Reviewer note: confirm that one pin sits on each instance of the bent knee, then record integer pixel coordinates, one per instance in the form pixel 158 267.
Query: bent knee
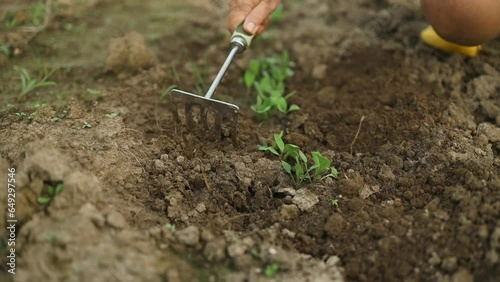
pixel 464 22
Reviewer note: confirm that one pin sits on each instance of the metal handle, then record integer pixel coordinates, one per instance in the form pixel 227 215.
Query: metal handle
pixel 240 41
pixel 241 38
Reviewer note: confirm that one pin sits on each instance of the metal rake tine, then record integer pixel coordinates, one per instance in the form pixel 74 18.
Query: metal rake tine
pixel 189 114
pixel 204 116
pixel 218 126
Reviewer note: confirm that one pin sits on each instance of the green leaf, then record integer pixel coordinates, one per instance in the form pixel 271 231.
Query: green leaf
pixel 249 79
pixel 43 200
pixel 287 167
pixel 278 138
pixel 303 157
pixel 299 172
pixel 166 93
pixel 293 108
pixel 271 270
pixel 51 191
pixel 254 66
pixel 282 105
pixel 59 188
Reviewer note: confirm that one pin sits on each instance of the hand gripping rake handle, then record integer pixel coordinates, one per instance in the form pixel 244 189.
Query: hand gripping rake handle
pixel 240 41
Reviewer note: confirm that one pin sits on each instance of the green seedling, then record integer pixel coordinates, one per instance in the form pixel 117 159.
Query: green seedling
pixel 5 48
pixel 86 125
pixel 200 84
pixel 10 106
pixel 29 84
pixel 271 270
pixel 335 203
pixel 267 77
pixel 24 115
pixel 51 193
pixel 170 227
pixel 255 253
pixel 111 115
pixel 297 164
pixel 94 92
pixel 37 14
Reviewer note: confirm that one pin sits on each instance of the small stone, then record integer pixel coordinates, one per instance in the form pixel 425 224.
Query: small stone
pixel 215 250
pixel 116 220
pixel 319 71
pixel 288 233
pixel 201 208
pixel 450 264
pixel 462 275
pixel 159 165
pixel 333 260
pixel 289 212
pixel 236 249
pixel 386 173
pixel 180 159
pixel 95 216
pixel 288 191
pixel 434 259
pixel 355 204
pixel 189 236
pixel 305 200
pixel 335 224
pixel 441 215
pixel 164 158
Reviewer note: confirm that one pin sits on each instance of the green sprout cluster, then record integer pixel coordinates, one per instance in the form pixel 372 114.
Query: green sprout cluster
pixel 267 76
pixel 296 163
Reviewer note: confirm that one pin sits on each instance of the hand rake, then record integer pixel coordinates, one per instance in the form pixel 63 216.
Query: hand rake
pixel 240 41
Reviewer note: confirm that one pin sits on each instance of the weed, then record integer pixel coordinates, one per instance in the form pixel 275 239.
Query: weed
pixel 51 193
pixel 296 163
pixel 94 92
pixel 271 270
pixel 86 125
pixel 5 48
pixel 170 227
pixel 335 202
pixel 28 84
pixel 267 77
pixel 24 115
pixel 200 84
pixel 10 106
pixel 255 253
pixel 111 115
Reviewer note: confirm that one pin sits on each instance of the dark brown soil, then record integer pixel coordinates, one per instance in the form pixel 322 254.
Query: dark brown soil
pixel 419 186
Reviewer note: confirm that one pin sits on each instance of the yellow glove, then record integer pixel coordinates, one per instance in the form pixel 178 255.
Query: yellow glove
pixel 430 37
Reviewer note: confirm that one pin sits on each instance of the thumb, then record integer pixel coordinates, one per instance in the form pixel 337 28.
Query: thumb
pixel 258 15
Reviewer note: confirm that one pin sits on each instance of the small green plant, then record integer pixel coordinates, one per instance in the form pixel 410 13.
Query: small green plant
pixel 170 227
pixel 24 115
pixel 271 270
pixel 86 125
pixel 335 202
pixel 10 106
pixel 29 84
pixel 255 253
pixel 111 115
pixel 200 84
pixel 5 48
pixel 296 163
pixel 95 92
pixel 51 193
pixel 267 76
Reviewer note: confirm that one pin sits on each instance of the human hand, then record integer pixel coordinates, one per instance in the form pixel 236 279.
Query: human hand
pixel 255 14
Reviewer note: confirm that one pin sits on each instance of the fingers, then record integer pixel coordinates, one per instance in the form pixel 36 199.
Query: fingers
pixel 238 11
pixel 263 26
pixel 258 18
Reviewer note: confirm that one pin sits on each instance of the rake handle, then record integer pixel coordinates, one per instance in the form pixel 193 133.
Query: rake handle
pixel 240 41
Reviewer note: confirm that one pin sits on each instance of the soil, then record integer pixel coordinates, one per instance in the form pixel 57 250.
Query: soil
pixel 414 134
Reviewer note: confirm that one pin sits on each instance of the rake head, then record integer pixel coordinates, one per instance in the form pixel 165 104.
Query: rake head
pixel 221 112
